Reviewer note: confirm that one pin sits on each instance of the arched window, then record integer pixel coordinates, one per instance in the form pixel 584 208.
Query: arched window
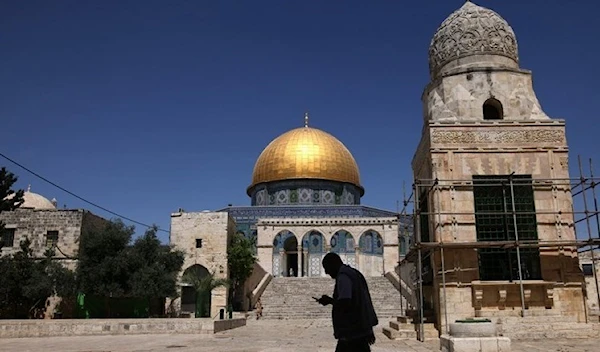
pixel 342 242
pixel 371 243
pixel 280 240
pixel 492 110
pixel 314 242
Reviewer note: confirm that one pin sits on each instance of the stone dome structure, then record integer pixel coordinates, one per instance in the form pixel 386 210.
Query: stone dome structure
pixel 35 201
pixel 306 153
pixel 470 31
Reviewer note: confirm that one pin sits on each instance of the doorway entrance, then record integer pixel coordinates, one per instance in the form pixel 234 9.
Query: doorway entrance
pixel 290 248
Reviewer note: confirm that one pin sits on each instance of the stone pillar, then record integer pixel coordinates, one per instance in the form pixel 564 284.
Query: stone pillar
pixel 282 264
pixel 305 260
pixel 299 264
pixel 357 257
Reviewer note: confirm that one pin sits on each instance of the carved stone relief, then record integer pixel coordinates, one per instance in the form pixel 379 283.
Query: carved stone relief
pixel 471 30
pixel 515 136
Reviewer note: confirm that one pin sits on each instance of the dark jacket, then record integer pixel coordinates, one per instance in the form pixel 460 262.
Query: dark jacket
pixel 359 320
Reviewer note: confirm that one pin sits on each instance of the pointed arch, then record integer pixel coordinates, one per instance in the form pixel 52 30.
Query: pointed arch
pixel 285 254
pixel 342 241
pixel 371 242
pixel 280 238
pixel 313 250
pixel 313 241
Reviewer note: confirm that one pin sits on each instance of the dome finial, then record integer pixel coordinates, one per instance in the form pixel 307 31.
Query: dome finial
pixel 306 119
pixel 29 187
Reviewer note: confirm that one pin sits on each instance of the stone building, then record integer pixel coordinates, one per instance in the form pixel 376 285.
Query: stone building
pixel 305 202
pixel 204 238
pixel 39 220
pixel 490 167
pixel 591 271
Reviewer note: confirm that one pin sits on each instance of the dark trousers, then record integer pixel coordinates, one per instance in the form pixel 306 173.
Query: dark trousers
pixel 357 345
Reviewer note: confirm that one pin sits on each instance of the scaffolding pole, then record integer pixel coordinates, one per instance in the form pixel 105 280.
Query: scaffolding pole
pixel 593 186
pixel 441 240
pixel 514 214
pixel 417 212
pixel 588 225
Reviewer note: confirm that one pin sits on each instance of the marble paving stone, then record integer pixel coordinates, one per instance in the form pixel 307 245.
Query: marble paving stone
pixel 258 336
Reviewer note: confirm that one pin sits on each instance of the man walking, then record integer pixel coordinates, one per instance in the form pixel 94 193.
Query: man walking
pixel 353 314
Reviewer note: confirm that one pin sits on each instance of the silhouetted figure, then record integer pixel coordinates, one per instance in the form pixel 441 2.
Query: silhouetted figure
pixel 353 314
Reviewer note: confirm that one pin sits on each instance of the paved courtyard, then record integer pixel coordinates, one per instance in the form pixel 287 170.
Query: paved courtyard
pixel 258 336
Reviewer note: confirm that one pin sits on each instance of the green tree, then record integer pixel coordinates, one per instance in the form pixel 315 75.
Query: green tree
pixel 104 267
pixel 203 286
pixel 240 256
pixel 154 267
pixel 27 282
pixel 9 199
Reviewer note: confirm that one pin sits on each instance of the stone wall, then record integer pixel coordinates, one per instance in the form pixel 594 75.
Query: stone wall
pixel 35 224
pixel 457 151
pixel 591 299
pixel 215 230
pixel 370 265
pixel 85 327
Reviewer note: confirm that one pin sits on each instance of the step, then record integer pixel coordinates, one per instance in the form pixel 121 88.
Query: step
pixel 290 298
pixel 409 320
pixel 394 334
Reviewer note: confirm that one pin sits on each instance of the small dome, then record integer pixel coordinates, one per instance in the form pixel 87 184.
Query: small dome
pixel 471 30
pixel 306 153
pixel 34 201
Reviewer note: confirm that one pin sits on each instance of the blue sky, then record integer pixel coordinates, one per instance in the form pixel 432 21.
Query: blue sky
pixel 148 106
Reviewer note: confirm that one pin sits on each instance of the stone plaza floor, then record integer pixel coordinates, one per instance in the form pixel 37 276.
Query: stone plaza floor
pixel 257 336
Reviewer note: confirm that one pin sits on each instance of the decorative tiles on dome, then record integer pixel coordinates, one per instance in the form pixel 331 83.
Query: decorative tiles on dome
pixel 306 192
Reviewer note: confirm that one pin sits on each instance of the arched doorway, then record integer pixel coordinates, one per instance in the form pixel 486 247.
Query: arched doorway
pixel 290 256
pixel 342 243
pixel 285 254
pixel 371 252
pixel 313 248
pixel 194 299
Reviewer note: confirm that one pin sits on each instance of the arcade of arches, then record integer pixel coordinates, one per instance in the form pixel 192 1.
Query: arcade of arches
pixel 298 251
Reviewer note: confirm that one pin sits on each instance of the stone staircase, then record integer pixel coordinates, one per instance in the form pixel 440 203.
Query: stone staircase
pixel 291 298
pixel 545 327
pixel 407 328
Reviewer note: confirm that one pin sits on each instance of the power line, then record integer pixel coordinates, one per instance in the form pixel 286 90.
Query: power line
pixel 78 197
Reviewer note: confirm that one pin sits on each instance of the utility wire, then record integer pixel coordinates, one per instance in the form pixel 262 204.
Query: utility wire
pixel 78 197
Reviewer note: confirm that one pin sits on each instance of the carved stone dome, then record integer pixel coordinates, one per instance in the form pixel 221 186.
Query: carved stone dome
pixel 472 30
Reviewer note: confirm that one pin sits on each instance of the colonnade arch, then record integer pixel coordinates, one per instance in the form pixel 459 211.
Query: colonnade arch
pixel 342 242
pixel 300 255
pixel 371 249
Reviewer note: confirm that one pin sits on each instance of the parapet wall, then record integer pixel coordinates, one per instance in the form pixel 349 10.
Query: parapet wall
pixel 81 327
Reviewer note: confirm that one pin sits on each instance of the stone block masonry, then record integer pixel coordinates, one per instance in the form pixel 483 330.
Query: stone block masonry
pixel 78 327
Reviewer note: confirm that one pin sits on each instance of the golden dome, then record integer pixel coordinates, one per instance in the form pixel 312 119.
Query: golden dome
pixel 306 153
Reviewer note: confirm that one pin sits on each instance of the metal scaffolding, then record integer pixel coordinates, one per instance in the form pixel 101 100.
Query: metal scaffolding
pixel 581 217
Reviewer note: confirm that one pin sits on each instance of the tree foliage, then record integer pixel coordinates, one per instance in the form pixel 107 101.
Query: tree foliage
pixel 155 267
pixel 241 260
pixel 103 269
pixel 27 282
pixel 9 199
pixel 109 266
